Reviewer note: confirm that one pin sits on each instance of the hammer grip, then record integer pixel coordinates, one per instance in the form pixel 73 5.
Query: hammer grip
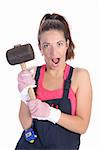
pixel 30 90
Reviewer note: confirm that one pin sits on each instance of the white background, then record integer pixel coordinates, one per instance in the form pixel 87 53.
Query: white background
pixel 19 22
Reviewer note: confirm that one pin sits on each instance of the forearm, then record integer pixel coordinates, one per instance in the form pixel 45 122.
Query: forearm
pixel 73 123
pixel 24 116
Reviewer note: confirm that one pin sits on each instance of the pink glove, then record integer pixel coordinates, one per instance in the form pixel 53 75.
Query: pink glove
pixel 43 111
pixel 26 80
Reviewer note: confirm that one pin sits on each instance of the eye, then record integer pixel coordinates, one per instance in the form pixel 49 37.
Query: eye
pixel 60 44
pixel 45 45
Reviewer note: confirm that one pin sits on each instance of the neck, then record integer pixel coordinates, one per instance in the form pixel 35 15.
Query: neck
pixel 56 73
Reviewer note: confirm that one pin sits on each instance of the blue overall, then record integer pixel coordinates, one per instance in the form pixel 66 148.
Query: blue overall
pixel 52 136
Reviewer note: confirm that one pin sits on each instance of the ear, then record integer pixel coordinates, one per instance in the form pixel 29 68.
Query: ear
pixel 40 49
pixel 67 43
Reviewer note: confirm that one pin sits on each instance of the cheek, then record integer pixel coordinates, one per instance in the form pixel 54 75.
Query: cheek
pixel 46 56
pixel 46 53
pixel 63 52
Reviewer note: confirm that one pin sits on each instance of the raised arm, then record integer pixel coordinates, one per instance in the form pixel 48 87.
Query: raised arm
pixel 25 80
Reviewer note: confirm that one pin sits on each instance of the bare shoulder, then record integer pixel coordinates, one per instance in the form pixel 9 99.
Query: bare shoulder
pixel 83 76
pixel 81 71
pixel 80 76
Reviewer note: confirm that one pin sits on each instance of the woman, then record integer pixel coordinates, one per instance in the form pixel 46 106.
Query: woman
pixel 61 111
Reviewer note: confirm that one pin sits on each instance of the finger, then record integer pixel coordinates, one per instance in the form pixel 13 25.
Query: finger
pixel 34 111
pixel 33 70
pixel 31 104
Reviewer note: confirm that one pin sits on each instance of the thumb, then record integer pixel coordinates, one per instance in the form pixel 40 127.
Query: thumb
pixel 33 71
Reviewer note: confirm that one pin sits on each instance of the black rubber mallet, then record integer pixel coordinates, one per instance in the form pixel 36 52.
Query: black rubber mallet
pixel 21 54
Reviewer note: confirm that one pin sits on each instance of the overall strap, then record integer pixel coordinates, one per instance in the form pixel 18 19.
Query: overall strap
pixel 68 80
pixel 37 77
pixel 37 74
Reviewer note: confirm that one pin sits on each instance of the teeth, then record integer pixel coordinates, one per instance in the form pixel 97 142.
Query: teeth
pixel 56 60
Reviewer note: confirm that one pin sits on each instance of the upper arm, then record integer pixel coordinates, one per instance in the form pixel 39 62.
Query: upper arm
pixel 84 96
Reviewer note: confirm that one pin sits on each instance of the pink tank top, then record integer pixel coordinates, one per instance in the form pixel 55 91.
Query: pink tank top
pixel 45 94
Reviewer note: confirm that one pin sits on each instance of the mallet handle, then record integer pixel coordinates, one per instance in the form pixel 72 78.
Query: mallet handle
pixel 30 90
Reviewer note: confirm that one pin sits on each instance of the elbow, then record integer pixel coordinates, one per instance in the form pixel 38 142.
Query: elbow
pixel 83 129
pixel 83 125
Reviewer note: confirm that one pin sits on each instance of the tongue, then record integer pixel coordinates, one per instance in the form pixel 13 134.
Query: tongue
pixel 55 60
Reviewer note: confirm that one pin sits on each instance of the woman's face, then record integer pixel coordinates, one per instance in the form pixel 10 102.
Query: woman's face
pixel 54 47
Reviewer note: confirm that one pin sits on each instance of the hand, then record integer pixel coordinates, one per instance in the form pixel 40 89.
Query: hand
pixel 43 111
pixel 39 109
pixel 26 80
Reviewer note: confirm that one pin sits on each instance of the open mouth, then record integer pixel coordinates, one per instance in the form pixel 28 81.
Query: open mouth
pixel 56 60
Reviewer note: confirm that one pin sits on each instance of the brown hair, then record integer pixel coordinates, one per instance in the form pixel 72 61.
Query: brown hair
pixel 57 22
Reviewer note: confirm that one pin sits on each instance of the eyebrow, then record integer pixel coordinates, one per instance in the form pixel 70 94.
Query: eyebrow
pixel 50 43
pixel 46 43
pixel 60 41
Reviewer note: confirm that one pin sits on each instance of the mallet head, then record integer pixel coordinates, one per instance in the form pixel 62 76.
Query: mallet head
pixel 20 54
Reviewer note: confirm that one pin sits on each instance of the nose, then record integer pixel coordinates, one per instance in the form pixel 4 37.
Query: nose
pixel 53 51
